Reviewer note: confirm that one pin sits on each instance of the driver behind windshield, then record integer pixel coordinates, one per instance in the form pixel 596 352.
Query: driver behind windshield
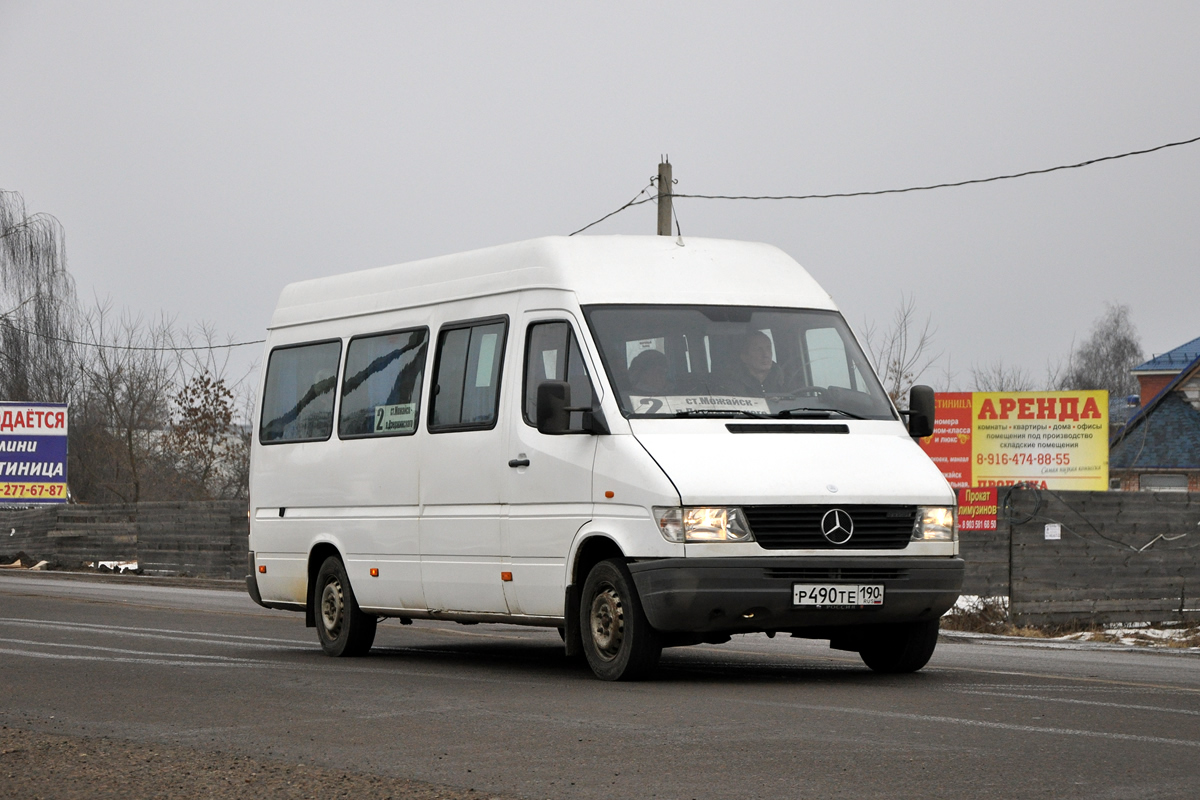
pixel 754 373
pixel 649 374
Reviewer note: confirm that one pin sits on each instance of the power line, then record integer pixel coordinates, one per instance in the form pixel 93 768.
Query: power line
pixel 923 188
pixel 133 347
pixel 928 187
pixel 633 202
pixel 639 200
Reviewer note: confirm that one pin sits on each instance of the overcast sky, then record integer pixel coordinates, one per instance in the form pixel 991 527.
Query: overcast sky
pixel 201 156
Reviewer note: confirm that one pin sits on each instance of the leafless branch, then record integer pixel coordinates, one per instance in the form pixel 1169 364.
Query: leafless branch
pixel 902 352
pixel 997 377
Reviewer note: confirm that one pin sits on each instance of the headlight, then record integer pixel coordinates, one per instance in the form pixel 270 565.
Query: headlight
pixel 702 524
pixel 936 524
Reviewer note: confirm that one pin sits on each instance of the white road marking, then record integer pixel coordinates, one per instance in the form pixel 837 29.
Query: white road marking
pixel 977 723
pixel 161 633
pixel 479 634
pixel 124 660
pixel 1083 687
pixel 1091 680
pixel 390 668
pixel 1156 709
pixel 132 652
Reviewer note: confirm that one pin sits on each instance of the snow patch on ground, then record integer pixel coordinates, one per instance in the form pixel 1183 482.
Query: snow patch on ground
pixel 115 566
pixel 1178 637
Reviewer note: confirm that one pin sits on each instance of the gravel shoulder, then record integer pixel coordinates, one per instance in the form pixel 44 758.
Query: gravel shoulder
pixel 40 766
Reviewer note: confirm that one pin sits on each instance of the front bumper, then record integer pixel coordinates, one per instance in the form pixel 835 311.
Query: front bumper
pixel 735 595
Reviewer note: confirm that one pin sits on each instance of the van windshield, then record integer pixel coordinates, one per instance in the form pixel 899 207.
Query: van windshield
pixel 735 361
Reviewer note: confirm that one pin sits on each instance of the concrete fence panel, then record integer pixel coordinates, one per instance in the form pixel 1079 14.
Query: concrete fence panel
pixel 179 538
pixel 1118 556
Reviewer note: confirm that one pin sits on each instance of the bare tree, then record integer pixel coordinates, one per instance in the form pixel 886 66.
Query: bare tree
pixel 902 352
pixel 949 377
pixel 118 429
pixel 211 418
pixel 38 361
pixel 153 416
pixel 207 447
pixel 1104 359
pixel 997 377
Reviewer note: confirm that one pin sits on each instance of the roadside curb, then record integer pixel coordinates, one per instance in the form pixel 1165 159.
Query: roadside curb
pixel 967 637
pixel 130 580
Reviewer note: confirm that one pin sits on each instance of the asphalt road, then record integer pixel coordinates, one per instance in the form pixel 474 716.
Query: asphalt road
pixel 499 710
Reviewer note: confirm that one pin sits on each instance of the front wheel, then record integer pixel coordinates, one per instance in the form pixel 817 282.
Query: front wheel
pixel 344 630
pixel 901 648
pixel 618 641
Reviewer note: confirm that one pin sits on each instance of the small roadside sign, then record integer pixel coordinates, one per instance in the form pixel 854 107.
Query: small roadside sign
pixel 33 453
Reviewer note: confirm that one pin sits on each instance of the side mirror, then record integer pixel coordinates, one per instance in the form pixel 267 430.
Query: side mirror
pixel 553 399
pixel 920 412
pixel 554 411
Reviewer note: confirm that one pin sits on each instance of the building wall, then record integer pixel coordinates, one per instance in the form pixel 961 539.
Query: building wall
pixel 1131 480
pixel 1152 385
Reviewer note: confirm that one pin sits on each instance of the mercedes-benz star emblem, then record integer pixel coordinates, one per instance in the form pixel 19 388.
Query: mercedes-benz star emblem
pixel 837 526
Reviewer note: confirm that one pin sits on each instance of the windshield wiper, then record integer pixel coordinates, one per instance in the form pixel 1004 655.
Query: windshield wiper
pixel 816 413
pixel 720 412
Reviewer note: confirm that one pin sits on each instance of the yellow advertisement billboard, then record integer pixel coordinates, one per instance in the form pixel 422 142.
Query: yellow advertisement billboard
pixel 1056 440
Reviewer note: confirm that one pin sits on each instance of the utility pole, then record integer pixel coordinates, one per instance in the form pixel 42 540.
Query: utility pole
pixel 664 197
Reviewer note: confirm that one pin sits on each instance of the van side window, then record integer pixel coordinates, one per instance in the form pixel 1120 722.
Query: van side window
pixel 466 376
pixel 298 398
pixel 381 387
pixel 552 354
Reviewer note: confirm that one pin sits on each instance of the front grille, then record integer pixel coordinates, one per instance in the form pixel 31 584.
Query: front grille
pixel 799 527
pixel 836 574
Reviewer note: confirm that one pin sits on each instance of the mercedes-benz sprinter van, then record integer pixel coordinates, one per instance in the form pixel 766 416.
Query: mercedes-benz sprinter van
pixel 642 441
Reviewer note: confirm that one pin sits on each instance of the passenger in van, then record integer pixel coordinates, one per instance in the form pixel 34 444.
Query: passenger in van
pixel 650 374
pixel 755 372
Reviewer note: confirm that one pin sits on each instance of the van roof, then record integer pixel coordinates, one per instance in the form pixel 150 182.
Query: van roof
pixel 598 269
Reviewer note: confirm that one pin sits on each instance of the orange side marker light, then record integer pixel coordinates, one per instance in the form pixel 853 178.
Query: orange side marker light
pixel 374 572
pixel 262 568
pixel 506 576
pixel 610 494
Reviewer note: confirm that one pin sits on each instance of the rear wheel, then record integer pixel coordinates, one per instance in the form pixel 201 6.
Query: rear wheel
pixel 618 641
pixel 901 648
pixel 344 630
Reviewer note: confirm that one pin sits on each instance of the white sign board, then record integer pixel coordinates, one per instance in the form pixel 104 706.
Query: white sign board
pixel 673 404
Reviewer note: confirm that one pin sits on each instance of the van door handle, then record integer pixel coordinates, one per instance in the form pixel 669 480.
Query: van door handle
pixel 518 462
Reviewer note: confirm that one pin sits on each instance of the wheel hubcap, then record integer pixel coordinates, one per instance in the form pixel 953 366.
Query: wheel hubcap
pixel 607 622
pixel 332 605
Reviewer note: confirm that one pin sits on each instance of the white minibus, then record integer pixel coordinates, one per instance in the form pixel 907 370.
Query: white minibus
pixel 641 441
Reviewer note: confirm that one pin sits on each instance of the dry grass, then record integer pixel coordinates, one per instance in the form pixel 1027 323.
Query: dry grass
pixel 1190 638
pixel 981 615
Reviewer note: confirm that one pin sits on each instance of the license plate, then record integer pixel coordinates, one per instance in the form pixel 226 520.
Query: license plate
pixel 837 595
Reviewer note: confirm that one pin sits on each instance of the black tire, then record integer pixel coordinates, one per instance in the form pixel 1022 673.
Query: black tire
pixel 901 648
pixel 618 642
pixel 344 630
